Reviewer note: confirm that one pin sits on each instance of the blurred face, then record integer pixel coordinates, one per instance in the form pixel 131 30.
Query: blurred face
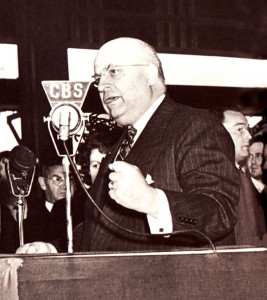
pixel 54 184
pixel 236 124
pixel 95 161
pixel 264 166
pixel 265 157
pixel 2 170
pixel 4 186
pixel 255 160
pixel 123 81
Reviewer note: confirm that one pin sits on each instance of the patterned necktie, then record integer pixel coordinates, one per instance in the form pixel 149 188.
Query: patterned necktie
pixel 127 143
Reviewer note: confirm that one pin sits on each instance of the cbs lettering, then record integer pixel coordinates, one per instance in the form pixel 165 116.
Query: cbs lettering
pixel 66 90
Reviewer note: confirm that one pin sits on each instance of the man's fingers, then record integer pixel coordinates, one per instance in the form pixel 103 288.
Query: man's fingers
pixel 119 166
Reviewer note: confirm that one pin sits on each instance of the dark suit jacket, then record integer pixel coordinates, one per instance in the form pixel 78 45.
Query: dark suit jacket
pixel 263 199
pixel 250 226
pixel 51 226
pixel 190 156
pixel 46 226
pixel 9 236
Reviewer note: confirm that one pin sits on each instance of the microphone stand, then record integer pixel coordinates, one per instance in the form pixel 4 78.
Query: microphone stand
pixel 66 165
pixel 20 217
pixel 67 119
pixel 19 192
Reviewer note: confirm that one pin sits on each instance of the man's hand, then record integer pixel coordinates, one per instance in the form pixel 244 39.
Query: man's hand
pixel 36 247
pixel 129 188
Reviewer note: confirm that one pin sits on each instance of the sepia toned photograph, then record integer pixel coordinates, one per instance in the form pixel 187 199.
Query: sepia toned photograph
pixel 133 149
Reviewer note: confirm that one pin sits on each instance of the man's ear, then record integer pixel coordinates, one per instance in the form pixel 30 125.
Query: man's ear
pixel 152 74
pixel 41 181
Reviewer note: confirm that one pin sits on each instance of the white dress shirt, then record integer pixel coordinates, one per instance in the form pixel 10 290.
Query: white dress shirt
pixel 258 184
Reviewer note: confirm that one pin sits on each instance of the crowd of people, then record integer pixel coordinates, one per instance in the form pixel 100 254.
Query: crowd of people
pixel 164 176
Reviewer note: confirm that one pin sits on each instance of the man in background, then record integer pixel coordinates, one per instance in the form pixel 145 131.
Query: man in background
pixel 250 227
pixel 264 163
pixel 10 218
pixel 254 162
pixel 9 233
pixel 48 223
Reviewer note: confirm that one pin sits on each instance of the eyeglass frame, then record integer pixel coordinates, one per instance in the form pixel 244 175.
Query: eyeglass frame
pixel 62 179
pixel 108 70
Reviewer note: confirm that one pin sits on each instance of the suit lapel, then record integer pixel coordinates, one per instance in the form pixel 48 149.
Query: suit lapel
pixel 144 154
pixel 147 148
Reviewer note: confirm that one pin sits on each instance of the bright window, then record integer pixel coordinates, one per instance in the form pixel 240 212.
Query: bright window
pixel 10 124
pixel 9 67
pixel 195 70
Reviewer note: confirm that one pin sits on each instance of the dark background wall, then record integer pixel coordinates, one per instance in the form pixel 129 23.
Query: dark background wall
pixel 44 30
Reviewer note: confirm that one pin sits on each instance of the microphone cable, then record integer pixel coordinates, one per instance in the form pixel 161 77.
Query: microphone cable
pixel 177 232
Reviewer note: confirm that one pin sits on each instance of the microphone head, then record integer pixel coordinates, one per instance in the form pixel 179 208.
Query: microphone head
pixel 22 158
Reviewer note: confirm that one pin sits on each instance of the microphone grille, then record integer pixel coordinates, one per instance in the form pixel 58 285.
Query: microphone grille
pixel 22 158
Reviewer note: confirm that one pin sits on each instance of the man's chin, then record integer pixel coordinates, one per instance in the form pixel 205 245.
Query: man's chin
pixel 256 176
pixel 120 119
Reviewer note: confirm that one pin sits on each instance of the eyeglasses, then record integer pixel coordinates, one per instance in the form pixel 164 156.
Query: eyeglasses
pixel 58 180
pixel 113 72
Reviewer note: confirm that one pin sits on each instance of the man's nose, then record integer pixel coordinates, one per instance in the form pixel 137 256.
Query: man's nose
pixel 105 81
pixel 248 136
pixel 104 85
pixel 252 159
pixel 63 182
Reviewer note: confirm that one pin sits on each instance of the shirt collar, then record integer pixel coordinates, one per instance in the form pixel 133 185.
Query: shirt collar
pixel 142 121
pixel 258 184
pixel 49 205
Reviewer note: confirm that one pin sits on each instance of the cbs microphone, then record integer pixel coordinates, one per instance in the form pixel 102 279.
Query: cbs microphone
pixel 66 120
pixel 64 124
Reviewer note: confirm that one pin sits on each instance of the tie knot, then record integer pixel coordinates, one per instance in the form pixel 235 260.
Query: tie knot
pixel 131 132
pixel 127 143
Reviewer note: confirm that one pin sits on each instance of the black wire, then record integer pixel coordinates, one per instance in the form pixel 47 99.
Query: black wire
pixel 185 231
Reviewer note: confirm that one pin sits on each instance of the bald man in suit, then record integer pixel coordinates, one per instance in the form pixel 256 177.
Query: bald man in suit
pixel 179 176
pixel 188 155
